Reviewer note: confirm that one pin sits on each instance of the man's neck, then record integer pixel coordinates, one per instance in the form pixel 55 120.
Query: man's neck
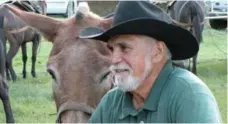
pixel 141 93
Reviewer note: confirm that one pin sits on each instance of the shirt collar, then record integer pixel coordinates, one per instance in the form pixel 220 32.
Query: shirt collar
pixel 152 100
pixel 127 107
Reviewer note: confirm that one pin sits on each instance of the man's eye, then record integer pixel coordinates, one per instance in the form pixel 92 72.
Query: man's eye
pixel 110 48
pixel 124 48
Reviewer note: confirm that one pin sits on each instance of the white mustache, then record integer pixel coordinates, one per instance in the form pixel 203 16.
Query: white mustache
pixel 116 68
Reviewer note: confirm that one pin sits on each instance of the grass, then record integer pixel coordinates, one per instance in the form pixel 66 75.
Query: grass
pixel 212 66
pixel 32 101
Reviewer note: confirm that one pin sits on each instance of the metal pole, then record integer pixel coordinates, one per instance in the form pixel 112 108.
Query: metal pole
pixel 217 17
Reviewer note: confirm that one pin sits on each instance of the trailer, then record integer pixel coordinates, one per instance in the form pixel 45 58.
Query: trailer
pixel 216 13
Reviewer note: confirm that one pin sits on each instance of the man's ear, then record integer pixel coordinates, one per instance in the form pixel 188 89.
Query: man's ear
pixel 158 52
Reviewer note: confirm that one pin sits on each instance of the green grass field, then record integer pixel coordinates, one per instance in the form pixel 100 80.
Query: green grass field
pixel 32 98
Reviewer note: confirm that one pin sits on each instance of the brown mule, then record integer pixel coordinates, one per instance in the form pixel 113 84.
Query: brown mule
pixel 79 67
pixel 18 33
pixel 3 85
pixel 189 15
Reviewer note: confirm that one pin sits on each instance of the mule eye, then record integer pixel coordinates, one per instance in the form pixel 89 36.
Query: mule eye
pixel 51 72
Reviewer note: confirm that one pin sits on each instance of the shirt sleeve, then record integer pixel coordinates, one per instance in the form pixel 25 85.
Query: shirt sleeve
pixel 198 108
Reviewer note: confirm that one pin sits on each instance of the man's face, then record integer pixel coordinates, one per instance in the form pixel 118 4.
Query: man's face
pixel 131 60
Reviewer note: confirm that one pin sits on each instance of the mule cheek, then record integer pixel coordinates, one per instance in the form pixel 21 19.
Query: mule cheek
pixel 56 94
pixel 74 117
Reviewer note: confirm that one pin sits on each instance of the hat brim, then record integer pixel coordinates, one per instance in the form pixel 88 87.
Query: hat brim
pixel 181 43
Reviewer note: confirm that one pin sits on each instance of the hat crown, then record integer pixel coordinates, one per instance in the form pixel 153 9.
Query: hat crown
pixel 130 10
pixel 144 18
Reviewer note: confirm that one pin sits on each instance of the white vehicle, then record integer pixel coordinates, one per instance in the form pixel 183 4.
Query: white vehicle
pixel 61 7
pixel 3 1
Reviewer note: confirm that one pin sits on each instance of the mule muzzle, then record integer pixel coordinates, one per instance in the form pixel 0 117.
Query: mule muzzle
pixel 73 106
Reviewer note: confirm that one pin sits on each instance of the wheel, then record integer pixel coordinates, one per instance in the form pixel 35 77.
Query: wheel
pixel 70 9
pixel 218 24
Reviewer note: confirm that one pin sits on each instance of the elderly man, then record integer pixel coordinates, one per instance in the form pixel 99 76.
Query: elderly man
pixel 149 88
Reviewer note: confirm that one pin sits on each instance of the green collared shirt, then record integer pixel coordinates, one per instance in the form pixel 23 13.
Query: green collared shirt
pixel 177 96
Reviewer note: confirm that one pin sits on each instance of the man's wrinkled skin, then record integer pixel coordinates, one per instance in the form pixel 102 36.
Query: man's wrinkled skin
pixel 136 60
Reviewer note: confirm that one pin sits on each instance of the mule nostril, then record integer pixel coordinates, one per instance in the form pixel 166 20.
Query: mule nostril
pixel 51 72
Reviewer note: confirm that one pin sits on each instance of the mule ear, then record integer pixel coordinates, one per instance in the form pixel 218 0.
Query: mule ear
pixel 106 23
pixel 82 10
pixel 46 25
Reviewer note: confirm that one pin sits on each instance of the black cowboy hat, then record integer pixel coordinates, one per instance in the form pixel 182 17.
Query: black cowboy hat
pixel 141 17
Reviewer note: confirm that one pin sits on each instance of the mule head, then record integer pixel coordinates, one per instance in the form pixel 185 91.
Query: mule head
pixel 79 67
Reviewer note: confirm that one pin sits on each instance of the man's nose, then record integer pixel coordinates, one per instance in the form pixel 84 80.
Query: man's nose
pixel 116 57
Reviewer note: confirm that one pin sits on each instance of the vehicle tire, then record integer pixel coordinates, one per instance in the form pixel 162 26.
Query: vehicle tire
pixel 70 10
pixel 218 24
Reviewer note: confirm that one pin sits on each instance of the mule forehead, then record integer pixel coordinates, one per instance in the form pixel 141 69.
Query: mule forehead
pixel 68 31
pixel 82 52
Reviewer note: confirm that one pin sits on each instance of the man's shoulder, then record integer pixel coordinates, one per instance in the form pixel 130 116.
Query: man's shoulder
pixel 112 98
pixel 186 81
pixel 193 97
pixel 114 92
pixel 185 76
pixel 107 107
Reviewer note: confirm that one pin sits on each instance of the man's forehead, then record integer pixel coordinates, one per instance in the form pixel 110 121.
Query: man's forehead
pixel 130 39
pixel 123 39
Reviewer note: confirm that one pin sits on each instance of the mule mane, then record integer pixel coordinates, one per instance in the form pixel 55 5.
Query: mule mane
pixel 83 10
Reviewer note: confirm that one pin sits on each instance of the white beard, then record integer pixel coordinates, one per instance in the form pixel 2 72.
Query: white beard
pixel 130 83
